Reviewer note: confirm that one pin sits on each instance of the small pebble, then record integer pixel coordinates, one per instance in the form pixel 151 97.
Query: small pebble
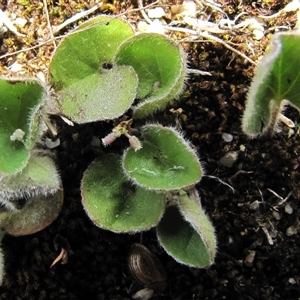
pixel 52 144
pixel 229 159
pixel 156 13
pixel 242 148
pixel 276 215
pixel 254 205
pixel 16 67
pixel 143 294
pixel 20 22
pixel 227 137
pixel 250 258
pixel 291 231
pixel 189 8
pixel 288 209
pixel 292 281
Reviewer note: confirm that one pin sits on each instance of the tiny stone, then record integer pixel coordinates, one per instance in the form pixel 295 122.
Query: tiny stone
pixel 20 22
pixel 288 209
pixel 250 258
pixel 16 67
pixel 143 294
pixel 227 137
pixel 189 8
pixel 291 231
pixel 292 281
pixel 52 144
pixel 242 148
pixel 258 34
pixel 254 205
pixel 156 27
pixel 229 159
pixel 142 26
pixel 156 13
pixel 276 215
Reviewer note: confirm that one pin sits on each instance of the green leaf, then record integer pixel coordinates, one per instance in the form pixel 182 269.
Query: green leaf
pixel 21 110
pixel 37 213
pixel 100 96
pixel 166 161
pixel 88 86
pixel 161 68
pixel 113 203
pixel 277 78
pixel 39 178
pixel 187 235
pixel 83 52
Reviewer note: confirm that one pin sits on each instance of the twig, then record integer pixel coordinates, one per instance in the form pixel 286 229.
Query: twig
pixel 281 199
pixel 210 38
pixel 267 234
pixel 76 17
pixel 48 23
pixel 221 181
pixel 63 256
pixel 141 7
pixel 7 22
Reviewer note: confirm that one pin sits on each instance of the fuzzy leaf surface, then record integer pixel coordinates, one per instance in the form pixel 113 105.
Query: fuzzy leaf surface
pixel 113 203
pixel 100 96
pixel 39 178
pixel 88 86
pixel 20 102
pixel 83 52
pixel 166 161
pixel 161 68
pixel 277 78
pixel 181 238
pixel 37 213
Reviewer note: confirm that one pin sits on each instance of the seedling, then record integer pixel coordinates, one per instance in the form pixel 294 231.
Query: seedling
pixel 97 73
pixel 275 84
pixel 146 188
pixel 26 172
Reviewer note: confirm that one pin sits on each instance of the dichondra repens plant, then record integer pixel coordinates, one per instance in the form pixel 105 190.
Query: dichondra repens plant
pixel 100 72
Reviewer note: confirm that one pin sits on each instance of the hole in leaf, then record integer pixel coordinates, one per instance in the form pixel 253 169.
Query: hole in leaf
pixel 107 66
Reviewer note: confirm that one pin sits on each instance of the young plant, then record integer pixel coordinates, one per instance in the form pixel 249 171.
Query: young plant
pixel 146 188
pixel 97 73
pixel 27 173
pixel 276 83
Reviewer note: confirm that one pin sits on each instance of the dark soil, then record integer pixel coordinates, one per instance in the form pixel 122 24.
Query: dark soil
pixel 244 213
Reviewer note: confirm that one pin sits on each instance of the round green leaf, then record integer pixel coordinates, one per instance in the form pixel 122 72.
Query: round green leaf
pixel 161 68
pixel 181 240
pixel 88 86
pixel 38 213
pixel 166 161
pixel 113 203
pixel 20 117
pixel 83 52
